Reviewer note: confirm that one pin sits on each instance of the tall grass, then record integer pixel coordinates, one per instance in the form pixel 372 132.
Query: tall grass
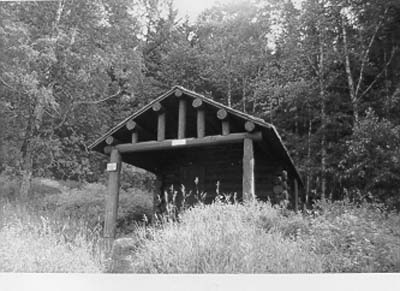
pixel 259 238
pixel 223 238
pixel 33 243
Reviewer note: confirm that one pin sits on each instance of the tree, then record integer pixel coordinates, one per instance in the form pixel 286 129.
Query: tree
pixel 372 162
pixel 54 64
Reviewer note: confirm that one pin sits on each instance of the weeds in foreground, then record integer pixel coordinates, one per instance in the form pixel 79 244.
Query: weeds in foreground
pixel 34 243
pixel 258 237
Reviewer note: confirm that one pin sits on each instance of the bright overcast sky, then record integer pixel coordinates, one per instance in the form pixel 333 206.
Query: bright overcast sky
pixel 193 8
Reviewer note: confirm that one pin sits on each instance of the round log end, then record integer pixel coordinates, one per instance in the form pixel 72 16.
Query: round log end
pixel 107 150
pixel 131 125
pixel 157 107
pixel 178 93
pixel 249 126
pixel 110 140
pixel 284 175
pixel 222 114
pixel 197 103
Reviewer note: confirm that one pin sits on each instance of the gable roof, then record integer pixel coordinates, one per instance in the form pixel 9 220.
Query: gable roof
pixel 268 130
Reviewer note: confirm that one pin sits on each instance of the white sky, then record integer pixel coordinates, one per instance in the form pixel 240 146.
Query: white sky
pixel 193 8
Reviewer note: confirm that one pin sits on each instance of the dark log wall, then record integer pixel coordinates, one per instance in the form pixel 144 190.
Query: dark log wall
pixel 266 171
pixel 221 164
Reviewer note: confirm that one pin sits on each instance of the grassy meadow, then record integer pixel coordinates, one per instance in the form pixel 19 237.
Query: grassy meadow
pixel 60 231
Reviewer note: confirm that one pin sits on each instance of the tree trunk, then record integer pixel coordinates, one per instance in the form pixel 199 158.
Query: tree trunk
pixel 350 80
pixel 323 119
pixel 230 93
pixel 27 148
pixel 308 179
pixel 386 81
pixel 26 173
pixel 26 163
pixel 244 94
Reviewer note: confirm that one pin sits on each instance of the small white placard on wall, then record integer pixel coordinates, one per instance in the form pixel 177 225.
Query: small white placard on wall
pixel 112 167
pixel 176 142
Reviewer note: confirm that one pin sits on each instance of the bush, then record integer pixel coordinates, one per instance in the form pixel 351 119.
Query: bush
pixel 372 160
pixel 31 243
pixel 87 203
pixel 355 237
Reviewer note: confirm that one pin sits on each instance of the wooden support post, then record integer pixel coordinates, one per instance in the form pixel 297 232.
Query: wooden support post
pixel 182 119
pixel 296 195
pixel 157 107
pixel 248 170
pixel 135 136
pixel 201 121
pixel 222 115
pixel 111 207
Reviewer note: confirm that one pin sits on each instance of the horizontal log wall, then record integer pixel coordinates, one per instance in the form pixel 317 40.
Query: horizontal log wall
pixel 221 164
pixel 265 173
pixel 224 164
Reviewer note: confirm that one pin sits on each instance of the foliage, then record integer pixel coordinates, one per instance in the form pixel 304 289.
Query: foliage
pixel 87 203
pixel 355 237
pixel 69 71
pixel 372 161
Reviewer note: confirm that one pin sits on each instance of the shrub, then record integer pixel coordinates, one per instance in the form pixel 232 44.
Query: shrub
pixel 372 160
pixel 87 203
pixel 355 237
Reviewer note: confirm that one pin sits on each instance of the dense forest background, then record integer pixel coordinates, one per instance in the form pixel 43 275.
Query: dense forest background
pixel 326 74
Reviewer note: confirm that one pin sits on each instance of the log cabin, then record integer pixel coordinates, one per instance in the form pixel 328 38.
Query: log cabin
pixel 185 138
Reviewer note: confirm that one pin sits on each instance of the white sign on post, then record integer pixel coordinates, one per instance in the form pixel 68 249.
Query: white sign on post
pixel 112 167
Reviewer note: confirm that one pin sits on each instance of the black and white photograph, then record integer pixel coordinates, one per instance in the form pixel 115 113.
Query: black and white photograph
pixel 230 137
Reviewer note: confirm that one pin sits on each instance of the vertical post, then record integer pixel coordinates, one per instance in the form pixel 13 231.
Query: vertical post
pixel 135 136
pixel 296 195
pixel 182 119
pixel 161 126
pixel 222 115
pixel 133 126
pixel 248 170
pixel 157 107
pixel 201 121
pixel 111 207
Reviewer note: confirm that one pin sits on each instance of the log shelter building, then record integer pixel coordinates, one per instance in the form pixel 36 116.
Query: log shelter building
pixel 185 138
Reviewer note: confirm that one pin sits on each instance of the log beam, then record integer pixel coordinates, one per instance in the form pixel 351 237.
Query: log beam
pixel 111 201
pixel 110 140
pixel 222 115
pixel 161 117
pixel 135 128
pixel 249 126
pixel 178 93
pixel 248 170
pixel 198 104
pixel 182 118
pixel 185 143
